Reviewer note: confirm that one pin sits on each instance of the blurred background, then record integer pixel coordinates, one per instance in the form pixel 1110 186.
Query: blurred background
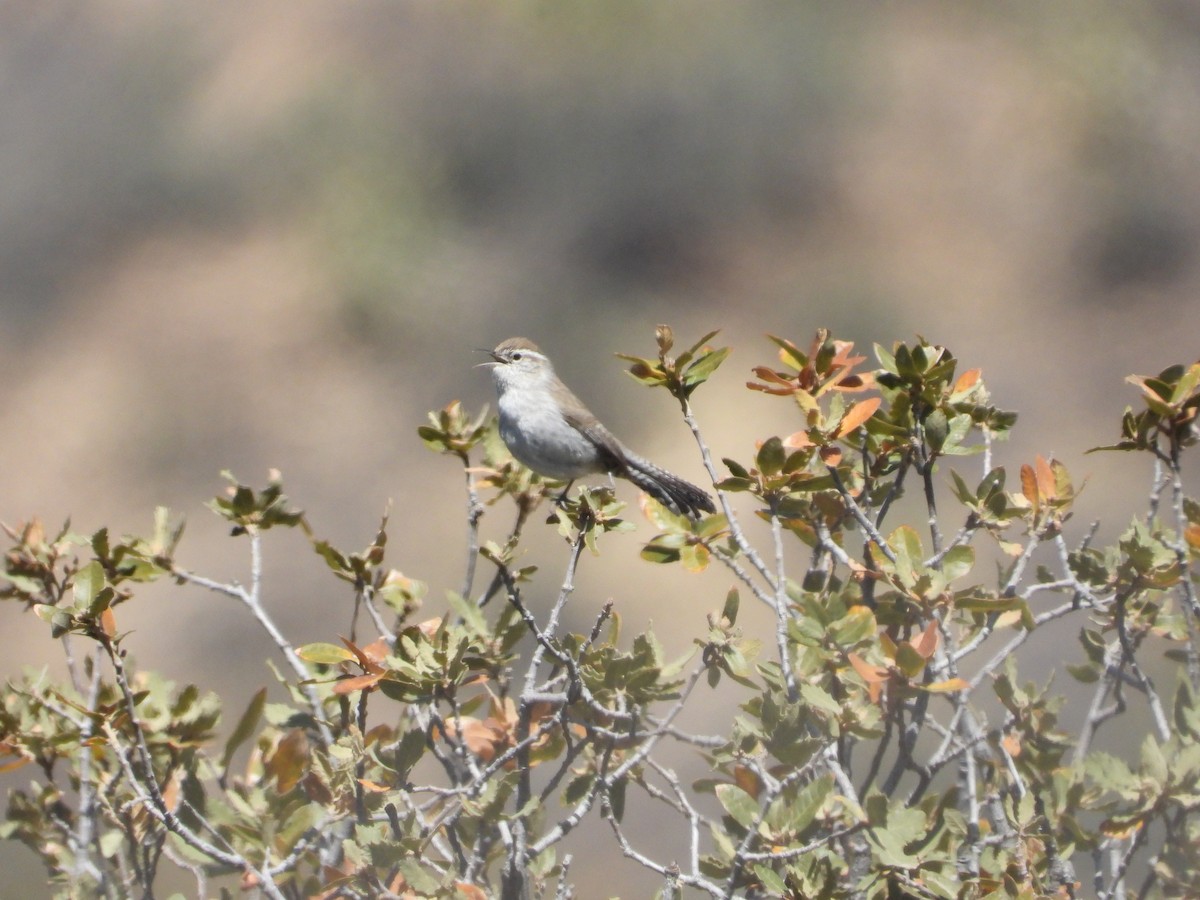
pixel 271 233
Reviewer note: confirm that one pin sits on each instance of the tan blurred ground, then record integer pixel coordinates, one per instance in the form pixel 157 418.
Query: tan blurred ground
pixel 269 234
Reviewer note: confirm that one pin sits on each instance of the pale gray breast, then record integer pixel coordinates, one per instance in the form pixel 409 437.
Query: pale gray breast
pixel 535 433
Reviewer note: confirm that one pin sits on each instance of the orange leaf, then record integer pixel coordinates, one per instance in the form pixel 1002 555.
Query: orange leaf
pixel 797 441
pixel 949 686
pixel 745 778
pixel 377 651
pixel 869 673
pixel 967 380
pixel 108 622
pixel 470 891
pixel 926 645
pixel 430 626
pixel 358 683
pixel 1046 482
pixel 15 763
pixel 831 456
pixel 316 789
pixel 1012 743
pixel 364 659
pixel 170 791
pixel 1192 535
pixel 857 415
pixel 372 786
pixel 289 761
pixel 1029 485
pixel 480 738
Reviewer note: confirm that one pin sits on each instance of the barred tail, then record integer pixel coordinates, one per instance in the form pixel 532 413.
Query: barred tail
pixel 670 490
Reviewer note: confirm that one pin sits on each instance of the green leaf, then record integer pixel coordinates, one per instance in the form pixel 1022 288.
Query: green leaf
pixel 471 614
pixel 417 876
pixel 722 843
pixel 324 654
pixel 958 562
pixel 856 625
pixel 964 494
pixel 245 726
pixel 694 557
pixel 736 484
pixel 59 619
pixel 771 880
pixel 791 355
pixel 937 428
pixel 911 662
pixel 87 583
pixel 616 798
pixel 655 552
pixel 1154 764
pixel 740 805
pixel 771 456
pixel 578 788
pixel 111 842
pixel 696 347
pixel 809 802
pixel 1087 673
pixel 735 468
pixel 702 369
pixel 818 698
pixel 409 750
pixel 730 610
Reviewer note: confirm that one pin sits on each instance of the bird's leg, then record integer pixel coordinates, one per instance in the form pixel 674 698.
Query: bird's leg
pixel 561 500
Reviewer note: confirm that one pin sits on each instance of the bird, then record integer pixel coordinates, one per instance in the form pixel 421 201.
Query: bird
pixel 549 430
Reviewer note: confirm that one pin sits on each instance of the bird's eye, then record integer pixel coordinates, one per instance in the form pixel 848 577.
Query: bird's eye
pixel 517 355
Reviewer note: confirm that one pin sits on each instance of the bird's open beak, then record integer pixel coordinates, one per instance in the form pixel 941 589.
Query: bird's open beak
pixel 494 361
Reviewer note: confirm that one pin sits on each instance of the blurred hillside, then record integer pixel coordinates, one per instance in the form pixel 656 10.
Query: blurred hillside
pixel 270 234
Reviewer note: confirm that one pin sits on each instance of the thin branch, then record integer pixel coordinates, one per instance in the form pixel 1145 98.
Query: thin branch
pixel 252 600
pixel 149 794
pixel 735 527
pixel 781 611
pixel 868 527
pixel 670 871
pixel 474 514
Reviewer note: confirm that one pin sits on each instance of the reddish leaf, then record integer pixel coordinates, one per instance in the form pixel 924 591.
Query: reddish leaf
pixel 170 791
pixel 857 415
pixel 869 673
pixel 967 380
pixel 1012 743
pixel 831 456
pixel 430 626
pixel 377 651
pixel 108 622
pixel 364 659
pixel 289 761
pixel 481 738
pixel 1192 536
pixel 926 645
pixel 747 780
pixel 797 441
pixel 357 683
pixel 1029 485
pixel 1046 483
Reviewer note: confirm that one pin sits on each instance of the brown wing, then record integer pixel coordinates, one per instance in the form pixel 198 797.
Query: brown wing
pixel 611 451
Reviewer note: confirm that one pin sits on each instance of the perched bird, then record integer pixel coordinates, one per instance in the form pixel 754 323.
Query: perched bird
pixel 548 428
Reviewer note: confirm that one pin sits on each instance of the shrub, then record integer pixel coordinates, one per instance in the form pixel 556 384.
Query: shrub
pixel 884 745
